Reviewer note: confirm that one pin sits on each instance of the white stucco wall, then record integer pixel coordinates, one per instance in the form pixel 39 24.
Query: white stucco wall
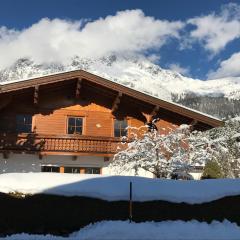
pixel 69 161
pixel 32 163
pixel 20 163
pixel 196 175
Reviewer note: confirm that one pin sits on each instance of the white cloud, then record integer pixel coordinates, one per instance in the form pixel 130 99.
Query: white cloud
pixel 215 31
pixel 228 67
pixel 177 68
pixel 127 32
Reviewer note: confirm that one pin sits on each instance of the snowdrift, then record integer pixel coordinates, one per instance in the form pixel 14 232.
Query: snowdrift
pixel 167 230
pixel 116 188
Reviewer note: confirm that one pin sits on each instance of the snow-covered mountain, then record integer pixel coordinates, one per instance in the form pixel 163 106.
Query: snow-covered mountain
pixel 145 76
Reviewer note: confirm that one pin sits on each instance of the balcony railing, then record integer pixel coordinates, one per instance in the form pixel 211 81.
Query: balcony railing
pixel 58 143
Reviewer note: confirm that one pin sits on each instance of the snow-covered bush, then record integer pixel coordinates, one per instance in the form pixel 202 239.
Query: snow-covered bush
pixel 180 150
pixel 225 145
pixel 160 154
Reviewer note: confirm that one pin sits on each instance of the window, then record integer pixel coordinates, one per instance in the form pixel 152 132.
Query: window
pixel 120 128
pixel 24 123
pixel 50 169
pixel 75 125
pixel 71 169
pixel 87 170
pixel 92 170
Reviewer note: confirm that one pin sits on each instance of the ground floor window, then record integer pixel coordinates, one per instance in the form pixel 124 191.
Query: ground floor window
pixel 76 170
pixel 72 170
pixel 92 170
pixel 86 170
pixel 50 169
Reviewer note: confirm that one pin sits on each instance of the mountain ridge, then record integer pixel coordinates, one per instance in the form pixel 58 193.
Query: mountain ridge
pixel 144 76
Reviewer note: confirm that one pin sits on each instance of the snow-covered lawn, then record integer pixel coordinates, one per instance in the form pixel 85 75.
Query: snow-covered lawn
pixel 167 230
pixel 117 187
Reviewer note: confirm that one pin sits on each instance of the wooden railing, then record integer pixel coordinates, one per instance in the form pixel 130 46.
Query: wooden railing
pixel 58 143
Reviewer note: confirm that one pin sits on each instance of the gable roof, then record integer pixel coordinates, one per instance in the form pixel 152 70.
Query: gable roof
pixel 65 76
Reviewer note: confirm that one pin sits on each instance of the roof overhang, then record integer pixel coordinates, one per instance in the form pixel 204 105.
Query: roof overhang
pixel 39 81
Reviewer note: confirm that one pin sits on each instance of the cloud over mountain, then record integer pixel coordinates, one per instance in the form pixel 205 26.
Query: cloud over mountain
pixel 228 67
pixel 128 32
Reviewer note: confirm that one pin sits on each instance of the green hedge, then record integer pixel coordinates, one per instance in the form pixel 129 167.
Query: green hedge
pixel 59 215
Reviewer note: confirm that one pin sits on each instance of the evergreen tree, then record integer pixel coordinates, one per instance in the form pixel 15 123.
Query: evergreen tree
pixel 212 170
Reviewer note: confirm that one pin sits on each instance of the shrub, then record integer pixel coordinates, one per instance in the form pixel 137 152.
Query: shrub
pixel 212 170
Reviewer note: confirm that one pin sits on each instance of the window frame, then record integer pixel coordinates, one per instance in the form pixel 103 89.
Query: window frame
pixel 83 125
pixel 72 169
pixel 50 167
pixel 127 130
pixel 92 169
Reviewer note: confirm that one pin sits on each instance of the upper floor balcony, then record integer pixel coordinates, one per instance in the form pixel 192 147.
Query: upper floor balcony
pixel 62 144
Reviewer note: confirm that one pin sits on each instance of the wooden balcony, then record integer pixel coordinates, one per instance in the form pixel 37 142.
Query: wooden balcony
pixel 63 144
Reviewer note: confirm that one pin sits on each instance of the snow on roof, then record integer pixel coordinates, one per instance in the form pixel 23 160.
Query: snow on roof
pixel 113 188
pixel 176 104
pixel 28 79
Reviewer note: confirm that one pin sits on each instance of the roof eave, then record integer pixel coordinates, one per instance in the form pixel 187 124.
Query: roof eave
pixel 29 83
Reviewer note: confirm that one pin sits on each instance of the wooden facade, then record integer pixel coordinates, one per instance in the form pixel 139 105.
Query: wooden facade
pixel 75 114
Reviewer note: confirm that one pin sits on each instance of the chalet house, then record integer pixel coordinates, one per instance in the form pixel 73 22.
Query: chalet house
pixel 72 122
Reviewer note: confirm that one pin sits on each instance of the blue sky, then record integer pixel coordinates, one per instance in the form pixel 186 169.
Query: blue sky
pixel 201 38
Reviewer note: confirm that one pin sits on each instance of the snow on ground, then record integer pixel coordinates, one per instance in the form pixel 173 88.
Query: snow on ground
pixel 117 187
pixel 167 230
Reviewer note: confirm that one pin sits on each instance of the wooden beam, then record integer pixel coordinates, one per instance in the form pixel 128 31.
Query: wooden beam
pixel 149 116
pixel 78 88
pixel 36 95
pixel 116 102
pixel 154 111
pixel 193 122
